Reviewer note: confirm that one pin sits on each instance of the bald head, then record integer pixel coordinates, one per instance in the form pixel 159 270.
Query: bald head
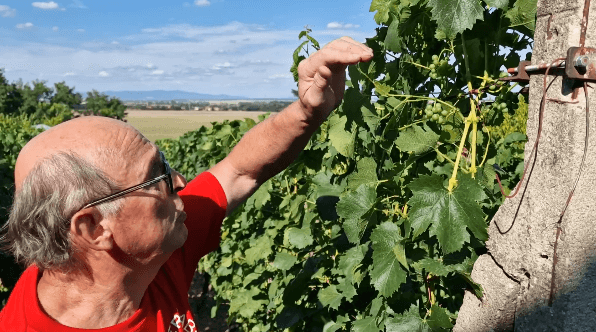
pixel 89 137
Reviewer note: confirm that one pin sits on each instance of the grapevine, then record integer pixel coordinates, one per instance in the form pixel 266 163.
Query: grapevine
pixel 378 223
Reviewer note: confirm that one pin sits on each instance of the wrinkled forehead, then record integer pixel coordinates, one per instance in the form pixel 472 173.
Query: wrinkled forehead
pixel 104 142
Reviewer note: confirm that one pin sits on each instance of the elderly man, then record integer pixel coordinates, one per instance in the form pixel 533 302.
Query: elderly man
pixel 105 239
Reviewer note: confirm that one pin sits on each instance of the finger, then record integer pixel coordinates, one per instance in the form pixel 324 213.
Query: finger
pixel 355 43
pixel 348 44
pixel 322 77
pixel 331 58
pixel 344 51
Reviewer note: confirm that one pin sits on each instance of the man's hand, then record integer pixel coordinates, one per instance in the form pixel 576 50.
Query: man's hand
pixel 322 76
pixel 274 143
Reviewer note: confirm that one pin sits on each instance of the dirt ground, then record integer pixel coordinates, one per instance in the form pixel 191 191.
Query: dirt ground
pixel 173 124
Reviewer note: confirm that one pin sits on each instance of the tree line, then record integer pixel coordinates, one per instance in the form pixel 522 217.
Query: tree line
pixel 39 101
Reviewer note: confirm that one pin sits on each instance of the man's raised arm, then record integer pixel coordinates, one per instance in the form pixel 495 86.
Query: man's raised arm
pixel 273 144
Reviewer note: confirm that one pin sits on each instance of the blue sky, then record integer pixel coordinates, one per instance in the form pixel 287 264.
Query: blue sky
pixel 234 47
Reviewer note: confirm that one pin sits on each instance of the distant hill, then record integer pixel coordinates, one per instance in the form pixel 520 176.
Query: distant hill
pixel 168 95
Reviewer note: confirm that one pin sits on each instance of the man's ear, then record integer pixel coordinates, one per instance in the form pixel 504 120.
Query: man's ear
pixel 89 229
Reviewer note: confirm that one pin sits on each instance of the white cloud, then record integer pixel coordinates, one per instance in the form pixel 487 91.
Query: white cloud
pixel 6 11
pixel 77 4
pixel 81 30
pixel 338 25
pixel 236 58
pixel 115 43
pixel 280 76
pixel 219 66
pixel 27 25
pixel 202 3
pixel 45 5
pixel 55 29
pixel 239 33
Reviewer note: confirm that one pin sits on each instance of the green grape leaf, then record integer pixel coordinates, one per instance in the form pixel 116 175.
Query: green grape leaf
pixel 260 250
pixel 288 317
pixel 355 228
pixel 342 140
pixel 365 325
pixel 475 62
pixel 284 261
pixel 355 204
pixel 383 8
pixel 455 16
pixel 515 137
pixel 382 89
pixel 359 109
pixel 324 187
pixel 300 238
pixel 476 287
pixel 410 321
pixel 329 297
pixel 393 40
pixel 439 318
pixel 244 302
pixel 486 175
pixel 417 140
pixel 447 214
pixel 353 207
pixel 332 326
pixel 387 274
pixel 400 253
pixel 499 4
pixel 376 305
pixel 261 196
pixel 523 13
pixel 366 173
pixel 347 289
pixel 433 267
pixel 349 262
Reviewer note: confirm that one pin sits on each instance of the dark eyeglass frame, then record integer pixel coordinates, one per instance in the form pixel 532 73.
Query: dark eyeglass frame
pixel 167 176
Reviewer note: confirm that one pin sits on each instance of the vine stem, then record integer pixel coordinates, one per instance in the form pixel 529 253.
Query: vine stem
pixel 431 295
pixel 416 64
pixel 486 149
pixel 474 119
pixel 449 159
pixel 421 98
pixel 408 97
pixel 453 180
pixel 466 61
pixel 410 125
pixel 390 197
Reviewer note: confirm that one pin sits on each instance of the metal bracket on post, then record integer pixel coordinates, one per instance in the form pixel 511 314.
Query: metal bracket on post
pixel 522 74
pixel 581 64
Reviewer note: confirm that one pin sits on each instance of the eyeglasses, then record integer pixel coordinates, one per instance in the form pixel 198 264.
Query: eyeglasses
pixel 167 176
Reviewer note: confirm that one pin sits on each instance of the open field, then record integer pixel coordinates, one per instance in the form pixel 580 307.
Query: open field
pixel 172 124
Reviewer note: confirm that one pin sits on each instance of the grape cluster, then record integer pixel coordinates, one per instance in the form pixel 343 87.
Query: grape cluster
pixel 435 112
pixel 504 100
pixel 438 69
pixel 496 86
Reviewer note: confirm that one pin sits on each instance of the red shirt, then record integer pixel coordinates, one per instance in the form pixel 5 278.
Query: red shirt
pixel 164 306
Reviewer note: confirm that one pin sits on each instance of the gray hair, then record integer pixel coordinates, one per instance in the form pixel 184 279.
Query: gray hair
pixel 38 228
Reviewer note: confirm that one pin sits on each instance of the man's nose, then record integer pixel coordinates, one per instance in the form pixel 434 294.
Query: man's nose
pixel 179 181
